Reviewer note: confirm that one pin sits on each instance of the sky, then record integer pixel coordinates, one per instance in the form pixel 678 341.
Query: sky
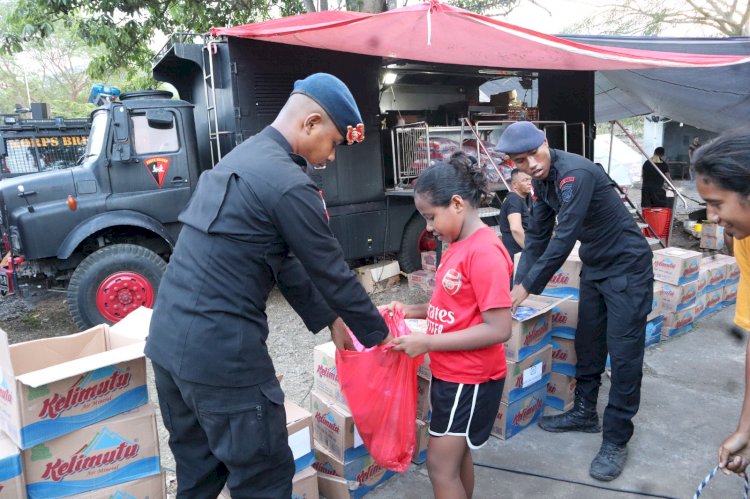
pixel 568 12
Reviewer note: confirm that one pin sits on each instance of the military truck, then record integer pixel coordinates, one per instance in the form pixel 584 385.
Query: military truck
pixel 106 228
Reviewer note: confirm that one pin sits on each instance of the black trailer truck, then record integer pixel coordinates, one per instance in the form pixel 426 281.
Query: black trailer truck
pixel 107 226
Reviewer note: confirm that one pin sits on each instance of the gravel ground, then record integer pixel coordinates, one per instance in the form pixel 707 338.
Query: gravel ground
pixel 43 314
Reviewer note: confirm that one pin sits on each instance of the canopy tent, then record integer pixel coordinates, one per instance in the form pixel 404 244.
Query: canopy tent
pixel 625 164
pixel 438 33
pixel 714 99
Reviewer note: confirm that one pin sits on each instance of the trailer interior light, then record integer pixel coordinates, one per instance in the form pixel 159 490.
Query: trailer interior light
pixel 389 78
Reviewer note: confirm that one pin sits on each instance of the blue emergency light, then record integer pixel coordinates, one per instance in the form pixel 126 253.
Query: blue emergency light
pixel 101 94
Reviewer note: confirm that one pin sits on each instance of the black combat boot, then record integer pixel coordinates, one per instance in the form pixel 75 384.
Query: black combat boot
pixel 582 417
pixel 609 462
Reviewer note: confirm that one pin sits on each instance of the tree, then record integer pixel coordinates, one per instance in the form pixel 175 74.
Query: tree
pixel 650 17
pixel 124 28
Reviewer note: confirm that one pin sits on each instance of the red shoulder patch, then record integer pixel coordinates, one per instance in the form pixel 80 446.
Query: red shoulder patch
pixel 565 181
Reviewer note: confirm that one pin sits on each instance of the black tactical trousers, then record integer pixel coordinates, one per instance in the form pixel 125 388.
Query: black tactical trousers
pixel 232 435
pixel 612 318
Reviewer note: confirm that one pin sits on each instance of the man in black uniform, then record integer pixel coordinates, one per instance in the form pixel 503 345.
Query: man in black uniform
pixel 616 284
pixel 255 220
pixel 653 194
pixel 514 213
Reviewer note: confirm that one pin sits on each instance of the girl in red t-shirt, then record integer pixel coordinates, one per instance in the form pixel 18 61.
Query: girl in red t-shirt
pixel 468 320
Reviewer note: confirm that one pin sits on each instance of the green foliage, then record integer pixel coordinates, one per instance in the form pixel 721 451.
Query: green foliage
pixel 486 7
pixel 121 30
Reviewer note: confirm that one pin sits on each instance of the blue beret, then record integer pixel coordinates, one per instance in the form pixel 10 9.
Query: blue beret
pixel 521 136
pixel 337 101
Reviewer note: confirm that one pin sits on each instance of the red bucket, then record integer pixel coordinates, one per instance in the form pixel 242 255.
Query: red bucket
pixel 660 221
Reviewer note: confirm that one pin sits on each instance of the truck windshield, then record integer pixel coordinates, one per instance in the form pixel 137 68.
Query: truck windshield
pixel 96 136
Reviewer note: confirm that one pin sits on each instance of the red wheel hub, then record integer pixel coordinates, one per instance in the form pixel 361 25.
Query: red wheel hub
pixel 121 293
pixel 427 242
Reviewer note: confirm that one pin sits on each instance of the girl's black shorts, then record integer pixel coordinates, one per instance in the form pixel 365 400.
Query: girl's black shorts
pixel 465 410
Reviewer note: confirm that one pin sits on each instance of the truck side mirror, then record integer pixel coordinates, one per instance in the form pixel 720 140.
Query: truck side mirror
pixel 121 148
pixel 159 119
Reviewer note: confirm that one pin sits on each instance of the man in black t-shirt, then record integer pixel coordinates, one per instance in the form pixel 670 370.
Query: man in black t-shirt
pixel 653 194
pixel 514 213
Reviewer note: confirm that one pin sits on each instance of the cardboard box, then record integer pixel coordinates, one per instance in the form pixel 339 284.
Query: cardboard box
pixel 656 302
pixel 565 318
pixel 712 236
pixel 107 453
pixel 424 409
pixel 378 277
pixel 702 280
pixel 700 307
pixel 714 301
pixel 561 390
pixel 567 280
pixel 325 376
pixel 54 386
pixel 678 322
pixel 514 417
pixel 523 376
pixel 423 438
pixel 353 478
pixel 530 332
pixel 674 298
pixel 333 429
pixel 733 270
pixel 153 487
pixel 299 429
pixel 563 355
pixel 11 472
pixel 429 260
pixel 716 270
pixel 729 295
pixel 654 328
pixel 676 265
pixel 422 279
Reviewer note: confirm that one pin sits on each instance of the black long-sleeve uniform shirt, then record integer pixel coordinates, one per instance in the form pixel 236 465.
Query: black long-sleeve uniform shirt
pixel 256 219
pixel 588 209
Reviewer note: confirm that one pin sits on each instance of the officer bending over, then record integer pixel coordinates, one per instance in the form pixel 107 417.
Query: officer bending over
pixel 616 284
pixel 255 220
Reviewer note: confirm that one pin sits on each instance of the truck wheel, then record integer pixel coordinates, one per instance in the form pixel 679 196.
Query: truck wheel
pixel 112 282
pixel 414 241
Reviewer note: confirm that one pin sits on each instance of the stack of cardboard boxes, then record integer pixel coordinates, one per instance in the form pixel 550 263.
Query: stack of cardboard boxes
pixel 529 365
pixel 424 409
pixel 564 283
pixel 425 279
pixel 77 409
pixel 678 272
pixel 345 467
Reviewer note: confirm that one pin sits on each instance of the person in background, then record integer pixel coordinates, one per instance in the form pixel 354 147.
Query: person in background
pixel 468 320
pixel 694 145
pixel 616 286
pixel 653 194
pixel 722 177
pixel 255 220
pixel 514 212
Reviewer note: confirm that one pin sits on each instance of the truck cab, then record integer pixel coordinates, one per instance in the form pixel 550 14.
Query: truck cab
pixel 107 226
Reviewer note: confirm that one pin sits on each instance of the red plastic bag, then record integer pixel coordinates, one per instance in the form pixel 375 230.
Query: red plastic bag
pixel 380 387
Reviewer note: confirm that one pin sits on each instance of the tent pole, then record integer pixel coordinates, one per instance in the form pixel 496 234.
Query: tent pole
pixel 611 142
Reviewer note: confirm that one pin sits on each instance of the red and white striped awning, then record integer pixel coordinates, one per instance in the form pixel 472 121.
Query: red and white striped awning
pixel 435 32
